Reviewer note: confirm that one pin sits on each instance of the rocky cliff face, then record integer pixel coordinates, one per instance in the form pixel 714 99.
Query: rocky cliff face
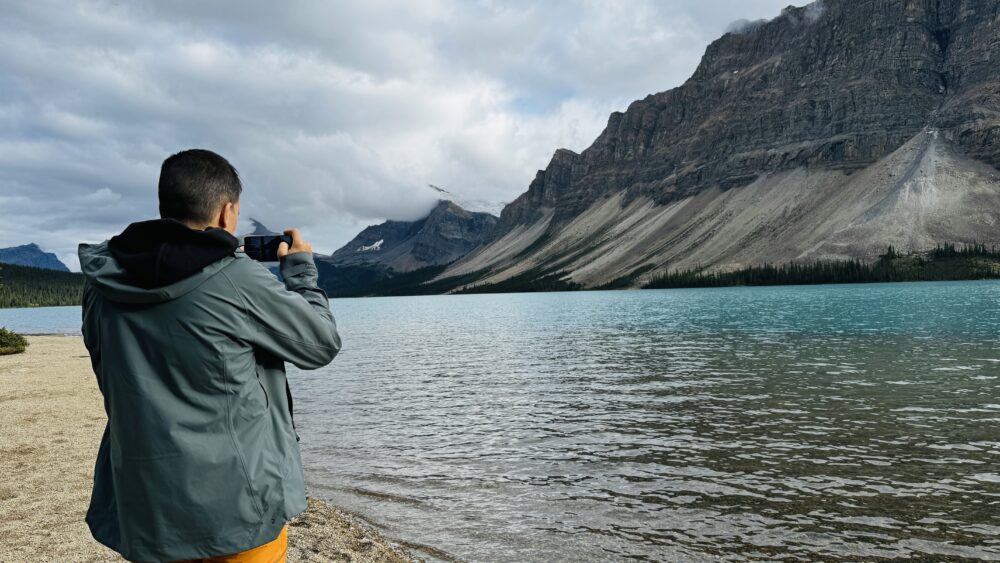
pixel 31 255
pixel 904 89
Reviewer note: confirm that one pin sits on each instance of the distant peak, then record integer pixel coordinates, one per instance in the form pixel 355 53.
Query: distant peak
pixel 31 254
pixel 28 246
pixel 259 229
pixel 446 198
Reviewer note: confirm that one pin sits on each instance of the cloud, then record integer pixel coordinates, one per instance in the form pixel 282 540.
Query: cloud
pixel 814 11
pixel 809 14
pixel 337 114
pixel 102 196
pixel 744 26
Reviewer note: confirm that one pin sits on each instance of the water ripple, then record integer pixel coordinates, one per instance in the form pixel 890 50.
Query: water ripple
pixel 801 424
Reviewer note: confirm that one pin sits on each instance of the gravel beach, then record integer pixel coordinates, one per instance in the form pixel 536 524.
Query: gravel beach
pixel 52 419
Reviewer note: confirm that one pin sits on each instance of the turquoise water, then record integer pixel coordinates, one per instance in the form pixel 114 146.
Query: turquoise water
pixel 42 320
pixel 795 423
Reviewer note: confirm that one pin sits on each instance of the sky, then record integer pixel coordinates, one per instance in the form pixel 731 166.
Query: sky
pixel 337 114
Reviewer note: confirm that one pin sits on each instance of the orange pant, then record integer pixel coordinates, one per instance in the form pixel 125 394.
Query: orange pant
pixel 271 552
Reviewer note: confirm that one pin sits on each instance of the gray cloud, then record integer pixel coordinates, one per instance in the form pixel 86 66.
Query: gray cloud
pixel 745 26
pixel 337 114
pixel 813 11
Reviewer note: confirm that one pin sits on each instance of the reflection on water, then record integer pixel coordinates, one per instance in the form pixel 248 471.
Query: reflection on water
pixel 809 423
pixel 722 424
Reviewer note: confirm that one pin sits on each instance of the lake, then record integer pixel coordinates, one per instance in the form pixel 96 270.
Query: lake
pixel 730 424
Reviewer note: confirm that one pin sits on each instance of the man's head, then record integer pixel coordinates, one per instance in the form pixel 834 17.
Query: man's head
pixel 200 189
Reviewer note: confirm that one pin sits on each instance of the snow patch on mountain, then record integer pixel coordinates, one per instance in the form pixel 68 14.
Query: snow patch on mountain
pixel 374 247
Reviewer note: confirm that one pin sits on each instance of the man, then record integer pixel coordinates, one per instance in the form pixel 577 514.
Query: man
pixel 188 339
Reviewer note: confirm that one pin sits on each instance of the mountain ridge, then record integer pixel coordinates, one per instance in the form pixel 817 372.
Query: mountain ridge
pixel 31 255
pixel 417 250
pixel 809 99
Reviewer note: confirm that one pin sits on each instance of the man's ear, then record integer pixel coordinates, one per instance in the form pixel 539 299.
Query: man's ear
pixel 229 215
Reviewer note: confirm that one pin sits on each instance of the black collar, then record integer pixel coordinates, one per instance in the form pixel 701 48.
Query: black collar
pixel 160 252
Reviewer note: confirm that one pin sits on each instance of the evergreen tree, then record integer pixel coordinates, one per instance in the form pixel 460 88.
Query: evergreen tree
pixel 24 286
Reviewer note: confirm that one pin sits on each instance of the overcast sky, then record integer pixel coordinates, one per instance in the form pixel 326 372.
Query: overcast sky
pixel 336 114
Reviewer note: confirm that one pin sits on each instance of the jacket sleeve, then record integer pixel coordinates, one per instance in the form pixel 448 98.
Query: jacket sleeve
pixel 91 334
pixel 293 322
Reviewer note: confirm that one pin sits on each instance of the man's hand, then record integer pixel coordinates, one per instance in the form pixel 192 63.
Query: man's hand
pixel 298 245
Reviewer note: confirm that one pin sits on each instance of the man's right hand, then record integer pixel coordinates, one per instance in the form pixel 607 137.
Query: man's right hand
pixel 298 245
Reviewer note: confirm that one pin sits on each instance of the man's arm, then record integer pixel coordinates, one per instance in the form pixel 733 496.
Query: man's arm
pixel 293 322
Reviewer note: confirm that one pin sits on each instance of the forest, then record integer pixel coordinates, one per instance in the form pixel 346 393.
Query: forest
pixel 946 262
pixel 24 286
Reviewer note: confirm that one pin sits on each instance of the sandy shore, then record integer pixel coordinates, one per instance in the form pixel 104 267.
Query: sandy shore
pixel 52 418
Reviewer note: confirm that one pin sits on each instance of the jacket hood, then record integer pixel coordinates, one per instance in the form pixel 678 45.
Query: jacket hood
pixel 155 260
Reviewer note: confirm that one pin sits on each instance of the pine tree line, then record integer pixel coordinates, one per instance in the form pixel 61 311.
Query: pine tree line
pixel 24 286
pixel 973 250
pixel 946 262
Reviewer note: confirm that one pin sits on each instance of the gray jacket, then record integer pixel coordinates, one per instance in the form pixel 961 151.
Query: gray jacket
pixel 199 456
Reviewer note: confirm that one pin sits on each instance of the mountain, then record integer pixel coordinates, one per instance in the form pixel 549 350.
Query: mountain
pixel 31 255
pixel 397 255
pixel 257 229
pixel 832 131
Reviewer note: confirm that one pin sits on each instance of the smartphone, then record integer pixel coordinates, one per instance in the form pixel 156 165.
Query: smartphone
pixel 264 248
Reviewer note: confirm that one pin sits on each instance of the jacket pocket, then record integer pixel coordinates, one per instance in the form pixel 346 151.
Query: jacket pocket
pixel 257 371
pixel 267 403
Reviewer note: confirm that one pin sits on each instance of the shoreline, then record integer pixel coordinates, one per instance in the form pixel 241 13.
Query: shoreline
pixel 52 415
pixel 598 289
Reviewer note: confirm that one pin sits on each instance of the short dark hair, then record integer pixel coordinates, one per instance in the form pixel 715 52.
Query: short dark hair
pixel 194 184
